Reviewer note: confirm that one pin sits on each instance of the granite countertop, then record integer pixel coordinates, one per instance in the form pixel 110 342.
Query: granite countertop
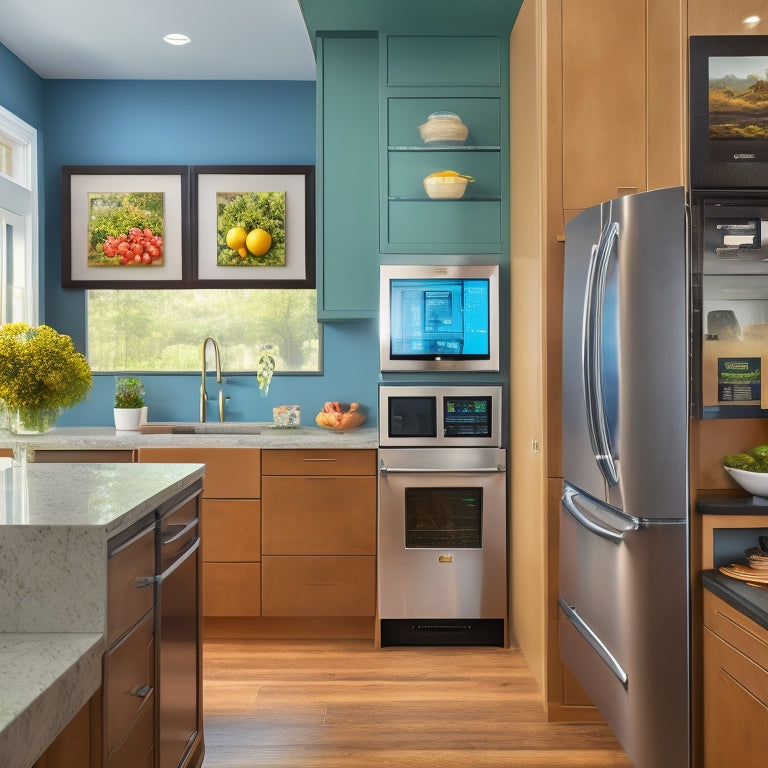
pixel 751 601
pixel 107 438
pixel 55 522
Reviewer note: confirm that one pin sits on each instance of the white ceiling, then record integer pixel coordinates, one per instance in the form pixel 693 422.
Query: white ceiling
pixel 122 39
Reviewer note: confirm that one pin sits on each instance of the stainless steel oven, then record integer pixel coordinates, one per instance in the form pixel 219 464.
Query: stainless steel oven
pixel 442 517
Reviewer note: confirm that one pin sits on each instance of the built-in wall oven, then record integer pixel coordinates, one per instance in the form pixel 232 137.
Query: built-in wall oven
pixel 442 575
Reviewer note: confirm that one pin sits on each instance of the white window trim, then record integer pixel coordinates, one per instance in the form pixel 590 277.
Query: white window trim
pixel 24 138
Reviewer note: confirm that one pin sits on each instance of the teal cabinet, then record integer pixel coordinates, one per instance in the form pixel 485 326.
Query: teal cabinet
pixel 465 75
pixel 348 173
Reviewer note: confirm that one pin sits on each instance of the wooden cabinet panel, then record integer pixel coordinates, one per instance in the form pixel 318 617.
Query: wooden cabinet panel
pixel 735 686
pixel 231 530
pixel 129 678
pixel 604 100
pixel 318 586
pixel 83 457
pixel 137 748
pixel 319 462
pixel 230 473
pixel 319 515
pixel 231 589
pixel 130 562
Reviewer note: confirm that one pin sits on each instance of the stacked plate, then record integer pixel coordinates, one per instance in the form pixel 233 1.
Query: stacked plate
pixel 755 571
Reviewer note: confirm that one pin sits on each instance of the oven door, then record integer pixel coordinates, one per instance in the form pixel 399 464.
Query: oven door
pixel 442 533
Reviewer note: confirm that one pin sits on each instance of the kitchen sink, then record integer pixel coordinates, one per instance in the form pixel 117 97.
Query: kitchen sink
pixel 202 428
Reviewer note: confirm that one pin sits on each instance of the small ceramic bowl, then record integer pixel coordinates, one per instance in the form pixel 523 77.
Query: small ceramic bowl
pixel 755 483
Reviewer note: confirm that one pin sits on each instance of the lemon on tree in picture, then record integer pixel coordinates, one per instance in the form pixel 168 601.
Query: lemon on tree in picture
pixel 125 229
pixel 250 229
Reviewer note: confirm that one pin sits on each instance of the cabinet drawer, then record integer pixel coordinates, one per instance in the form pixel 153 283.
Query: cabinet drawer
pixel 129 561
pixel 319 462
pixel 318 586
pixel 319 515
pixel 231 589
pixel 137 747
pixel 230 473
pixel 84 457
pixel 737 630
pixel 129 678
pixel 231 530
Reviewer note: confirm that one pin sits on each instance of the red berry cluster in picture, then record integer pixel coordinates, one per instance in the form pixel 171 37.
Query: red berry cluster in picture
pixel 139 246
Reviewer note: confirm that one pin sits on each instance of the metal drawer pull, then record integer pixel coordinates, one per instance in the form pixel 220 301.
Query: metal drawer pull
pixel 142 692
pixel 145 581
pixel 183 529
pixel 149 529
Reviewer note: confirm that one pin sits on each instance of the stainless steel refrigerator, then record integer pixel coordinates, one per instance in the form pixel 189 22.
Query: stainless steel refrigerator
pixel 624 575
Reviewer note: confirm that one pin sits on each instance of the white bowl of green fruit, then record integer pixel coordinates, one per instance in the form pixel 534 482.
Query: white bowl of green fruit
pixel 750 470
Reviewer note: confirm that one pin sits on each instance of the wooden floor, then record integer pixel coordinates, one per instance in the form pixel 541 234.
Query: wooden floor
pixel 345 704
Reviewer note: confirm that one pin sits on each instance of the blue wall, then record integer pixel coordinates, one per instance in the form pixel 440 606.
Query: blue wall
pixel 100 122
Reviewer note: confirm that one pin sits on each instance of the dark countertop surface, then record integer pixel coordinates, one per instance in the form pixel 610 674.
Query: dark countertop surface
pixel 751 601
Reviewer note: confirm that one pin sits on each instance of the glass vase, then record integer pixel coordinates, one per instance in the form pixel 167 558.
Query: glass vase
pixel 32 421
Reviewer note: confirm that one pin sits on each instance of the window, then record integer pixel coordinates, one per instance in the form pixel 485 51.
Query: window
pixel 149 330
pixel 18 220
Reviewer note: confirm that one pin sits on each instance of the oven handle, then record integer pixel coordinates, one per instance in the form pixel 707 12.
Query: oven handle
pixel 385 470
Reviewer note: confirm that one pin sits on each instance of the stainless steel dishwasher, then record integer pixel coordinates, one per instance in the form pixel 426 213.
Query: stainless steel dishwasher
pixel 178 631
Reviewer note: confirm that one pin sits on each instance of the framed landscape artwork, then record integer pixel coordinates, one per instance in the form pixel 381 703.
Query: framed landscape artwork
pixel 253 226
pixel 125 226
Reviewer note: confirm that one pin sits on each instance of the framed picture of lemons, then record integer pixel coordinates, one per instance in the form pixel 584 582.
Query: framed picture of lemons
pixel 253 226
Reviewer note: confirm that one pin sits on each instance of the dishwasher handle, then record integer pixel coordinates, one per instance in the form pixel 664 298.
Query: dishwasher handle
pixel 194 545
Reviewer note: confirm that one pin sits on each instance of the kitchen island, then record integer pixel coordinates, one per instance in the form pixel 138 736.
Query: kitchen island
pixel 55 525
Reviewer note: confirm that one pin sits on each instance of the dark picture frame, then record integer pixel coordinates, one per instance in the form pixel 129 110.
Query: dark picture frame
pixel 277 199
pixel 91 194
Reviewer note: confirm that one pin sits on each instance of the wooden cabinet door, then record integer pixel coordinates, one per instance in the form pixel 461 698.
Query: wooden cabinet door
pixel 231 530
pixel 319 515
pixel 604 100
pixel 230 473
pixel 318 462
pixel 231 589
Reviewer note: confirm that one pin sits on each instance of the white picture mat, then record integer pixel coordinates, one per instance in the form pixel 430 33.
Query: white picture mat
pixel 83 185
pixel 209 185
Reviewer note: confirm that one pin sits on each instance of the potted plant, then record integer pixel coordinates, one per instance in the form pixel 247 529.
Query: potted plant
pixel 129 403
pixel 41 373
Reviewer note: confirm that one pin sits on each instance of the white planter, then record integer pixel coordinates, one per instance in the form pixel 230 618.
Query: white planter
pixel 127 419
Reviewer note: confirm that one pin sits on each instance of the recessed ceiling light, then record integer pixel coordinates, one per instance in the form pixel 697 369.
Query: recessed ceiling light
pixel 176 39
pixel 751 21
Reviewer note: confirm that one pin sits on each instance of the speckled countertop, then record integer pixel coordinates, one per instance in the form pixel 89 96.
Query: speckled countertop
pixel 107 438
pixel 55 521
pixel 751 601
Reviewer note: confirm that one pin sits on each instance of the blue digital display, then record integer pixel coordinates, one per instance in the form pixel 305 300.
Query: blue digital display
pixel 440 318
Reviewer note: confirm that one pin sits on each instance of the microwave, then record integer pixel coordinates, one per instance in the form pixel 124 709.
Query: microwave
pixel 440 416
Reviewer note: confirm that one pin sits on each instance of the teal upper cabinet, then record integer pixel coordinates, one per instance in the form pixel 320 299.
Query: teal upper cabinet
pixel 463 76
pixel 348 177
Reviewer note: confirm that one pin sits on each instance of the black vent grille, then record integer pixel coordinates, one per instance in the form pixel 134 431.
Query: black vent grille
pixel 442 632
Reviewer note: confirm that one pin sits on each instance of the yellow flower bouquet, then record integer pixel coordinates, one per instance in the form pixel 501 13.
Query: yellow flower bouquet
pixel 40 373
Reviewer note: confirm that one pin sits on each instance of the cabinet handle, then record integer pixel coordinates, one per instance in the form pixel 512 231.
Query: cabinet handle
pixel 142 692
pixel 320 460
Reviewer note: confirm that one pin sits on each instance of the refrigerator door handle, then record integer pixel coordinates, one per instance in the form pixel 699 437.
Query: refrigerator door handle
pixel 597 519
pixel 591 355
pixel 594 641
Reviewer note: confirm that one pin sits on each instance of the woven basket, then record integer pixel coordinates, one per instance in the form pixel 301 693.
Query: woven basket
pixel 444 126
pixel 445 187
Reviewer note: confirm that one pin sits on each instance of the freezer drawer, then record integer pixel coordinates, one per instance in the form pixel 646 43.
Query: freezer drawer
pixel 624 624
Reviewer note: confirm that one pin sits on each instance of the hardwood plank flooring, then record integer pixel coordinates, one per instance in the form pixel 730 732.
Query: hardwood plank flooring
pixel 346 704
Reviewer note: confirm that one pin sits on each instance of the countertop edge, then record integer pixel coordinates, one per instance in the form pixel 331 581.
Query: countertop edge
pixel 66 670
pixel 751 601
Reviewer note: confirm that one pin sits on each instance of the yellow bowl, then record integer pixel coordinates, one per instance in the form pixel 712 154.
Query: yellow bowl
pixel 445 187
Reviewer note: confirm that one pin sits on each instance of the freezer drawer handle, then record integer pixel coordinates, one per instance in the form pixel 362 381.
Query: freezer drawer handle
pixel 595 642
pixel 616 535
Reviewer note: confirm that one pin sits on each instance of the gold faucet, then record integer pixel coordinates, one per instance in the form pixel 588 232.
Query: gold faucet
pixel 203 393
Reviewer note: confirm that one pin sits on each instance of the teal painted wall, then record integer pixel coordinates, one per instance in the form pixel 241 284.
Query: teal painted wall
pixel 98 122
